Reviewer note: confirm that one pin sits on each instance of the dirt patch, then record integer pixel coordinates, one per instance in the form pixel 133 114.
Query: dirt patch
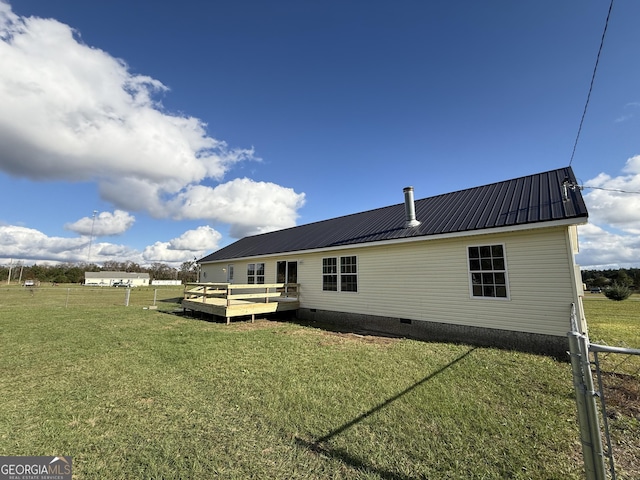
pixel 622 397
pixel 622 394
pixel 327 336
pixel 245 325
pixel 334 337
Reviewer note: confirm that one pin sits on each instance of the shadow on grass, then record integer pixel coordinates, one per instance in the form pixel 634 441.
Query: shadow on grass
pixel 352 461
pixel 176 300
pixel 319 445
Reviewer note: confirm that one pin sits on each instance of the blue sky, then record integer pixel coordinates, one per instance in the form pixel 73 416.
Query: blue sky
pixel 187 125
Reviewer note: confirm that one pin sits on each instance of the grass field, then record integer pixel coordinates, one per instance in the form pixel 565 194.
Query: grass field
pixel 130 393
pixel 68 296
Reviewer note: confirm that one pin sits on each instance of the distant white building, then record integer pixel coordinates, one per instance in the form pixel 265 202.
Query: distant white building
pixel 119 279
pixel 166 282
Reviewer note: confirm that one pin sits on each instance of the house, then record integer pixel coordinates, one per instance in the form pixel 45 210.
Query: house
pixel 119 279
pixel 490 265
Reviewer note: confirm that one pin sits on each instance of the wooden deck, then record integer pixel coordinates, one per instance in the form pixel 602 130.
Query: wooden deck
pixel 231 300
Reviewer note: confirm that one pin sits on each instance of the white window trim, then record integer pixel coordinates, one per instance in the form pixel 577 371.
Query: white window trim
pixel 339 274
pixel 255 275
pixel 357 275
pixel 506 273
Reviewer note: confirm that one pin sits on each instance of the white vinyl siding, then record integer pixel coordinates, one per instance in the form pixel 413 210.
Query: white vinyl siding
pixel 429 280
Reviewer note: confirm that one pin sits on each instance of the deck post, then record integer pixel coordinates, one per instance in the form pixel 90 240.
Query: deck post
pixel 253 317
pixel 228 320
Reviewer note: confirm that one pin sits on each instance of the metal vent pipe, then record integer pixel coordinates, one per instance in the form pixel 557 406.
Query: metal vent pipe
pixel 410 208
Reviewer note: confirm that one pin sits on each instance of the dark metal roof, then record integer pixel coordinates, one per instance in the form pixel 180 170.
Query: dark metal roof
pixel 520 201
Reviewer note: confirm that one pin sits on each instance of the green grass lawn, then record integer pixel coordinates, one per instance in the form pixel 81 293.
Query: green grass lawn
pixel 135 393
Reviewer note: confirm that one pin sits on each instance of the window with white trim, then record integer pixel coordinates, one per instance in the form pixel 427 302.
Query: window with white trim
pixel 488 271
pixel 348 274
pixel 330 274
pixel 255 273
pixel 345 279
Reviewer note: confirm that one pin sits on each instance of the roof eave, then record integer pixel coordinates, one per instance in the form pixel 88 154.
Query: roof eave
pixel 417 238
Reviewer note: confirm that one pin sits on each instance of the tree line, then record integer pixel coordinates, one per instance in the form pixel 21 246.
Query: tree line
pixel 627 277
pixel 74 272
pixel 188 272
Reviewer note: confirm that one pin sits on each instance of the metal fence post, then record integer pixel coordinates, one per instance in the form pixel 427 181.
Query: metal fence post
pixel 592 451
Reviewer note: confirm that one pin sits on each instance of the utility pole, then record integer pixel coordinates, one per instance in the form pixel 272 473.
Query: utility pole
pixel 93 222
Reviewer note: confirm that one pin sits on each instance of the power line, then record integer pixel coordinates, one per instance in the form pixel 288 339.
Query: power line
pixel 593 77
pixel 582 187
pixel 612 190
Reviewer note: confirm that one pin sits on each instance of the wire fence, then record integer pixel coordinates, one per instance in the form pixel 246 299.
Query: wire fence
pixel 616 370
pixel 64 296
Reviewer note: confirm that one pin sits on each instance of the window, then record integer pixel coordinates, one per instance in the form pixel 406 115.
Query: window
pixel 488 272
pixel 348 276
pixel 255 273
pixel 330 274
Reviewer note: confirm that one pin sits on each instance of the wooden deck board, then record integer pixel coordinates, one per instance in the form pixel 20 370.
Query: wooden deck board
pixel 233 307
pixel 238 308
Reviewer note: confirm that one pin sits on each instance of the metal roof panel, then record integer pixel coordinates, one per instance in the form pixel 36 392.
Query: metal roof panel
pixel 520 201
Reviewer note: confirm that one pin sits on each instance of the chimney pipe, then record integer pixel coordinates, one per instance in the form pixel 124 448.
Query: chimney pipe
pixel 410 208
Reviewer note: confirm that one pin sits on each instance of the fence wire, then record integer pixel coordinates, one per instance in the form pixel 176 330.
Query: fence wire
pixel 161 297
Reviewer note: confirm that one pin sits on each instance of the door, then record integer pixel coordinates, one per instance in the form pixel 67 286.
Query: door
pixel 287 272
pixel 230 273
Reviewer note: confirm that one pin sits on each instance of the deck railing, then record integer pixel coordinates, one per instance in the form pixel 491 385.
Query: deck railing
pixel 260 293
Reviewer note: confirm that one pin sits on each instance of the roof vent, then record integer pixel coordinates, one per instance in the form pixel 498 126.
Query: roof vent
pixel 410 208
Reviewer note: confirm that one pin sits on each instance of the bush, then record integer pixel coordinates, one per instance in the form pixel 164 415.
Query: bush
pixel 617 292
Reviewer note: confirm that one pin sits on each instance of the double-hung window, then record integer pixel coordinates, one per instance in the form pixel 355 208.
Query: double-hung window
pixel 340 274
pixel 255 273
pixel 330 274
pixel 488 271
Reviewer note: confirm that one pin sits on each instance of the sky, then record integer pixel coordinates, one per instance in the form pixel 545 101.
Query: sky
pixel 159 132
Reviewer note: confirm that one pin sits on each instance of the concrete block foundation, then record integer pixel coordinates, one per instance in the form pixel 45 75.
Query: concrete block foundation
pixel 440 332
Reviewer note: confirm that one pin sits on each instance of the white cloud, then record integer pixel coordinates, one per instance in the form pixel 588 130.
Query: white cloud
pixel 624 118
pixel 192 243
pixel 250 207
pixel 73 112
pixel 24 243
pixel 30 244
pixel 628 116
pixel 602 249
pixel 608 204
pixel 104 224
pixel 611 238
